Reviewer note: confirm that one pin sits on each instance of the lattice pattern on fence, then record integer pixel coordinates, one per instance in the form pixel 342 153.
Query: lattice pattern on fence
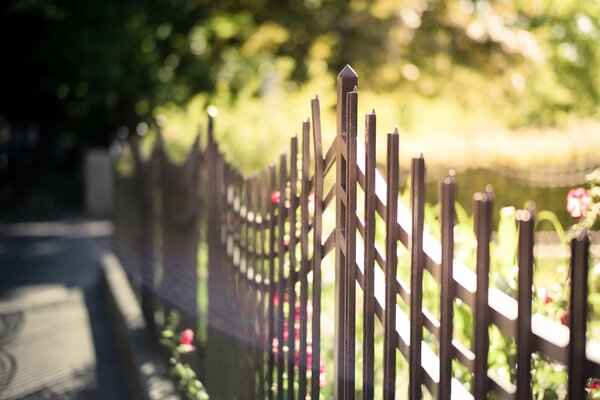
pixel 266 242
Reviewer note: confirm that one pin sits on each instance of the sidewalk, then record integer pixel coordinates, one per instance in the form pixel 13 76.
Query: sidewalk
pixel 56 337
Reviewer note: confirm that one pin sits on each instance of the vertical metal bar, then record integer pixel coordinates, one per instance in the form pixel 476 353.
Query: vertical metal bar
pixel 369 267
pixel 217 274
pixel 417 203
pixel 447 195
pixel 580 258
pixel 242 283
pixel 350 305
pixel 391 265
pixel 304 261
pixel 291 289
pixel 272 286
pixel 239 281
pixel 317 251
pixel 526 221
pixel 250 280
pixel 281 219
pixel 347 80
pixel 254 288
pixel 483 229
pixel 262 198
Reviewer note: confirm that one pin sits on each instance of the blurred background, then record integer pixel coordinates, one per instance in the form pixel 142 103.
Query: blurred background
pixel 504 91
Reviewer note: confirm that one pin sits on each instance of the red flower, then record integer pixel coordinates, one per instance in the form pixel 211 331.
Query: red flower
pixel 578 202
pixel 275 197
pixel 592 385
pixel 543 293
pixel 187 336
pixel 564 318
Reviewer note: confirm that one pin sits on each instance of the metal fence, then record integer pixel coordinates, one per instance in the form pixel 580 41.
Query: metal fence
pixel 266 244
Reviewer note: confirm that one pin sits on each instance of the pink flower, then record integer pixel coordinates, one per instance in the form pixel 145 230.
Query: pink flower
pixel 276 299
pixel 322 376
pixel 275 197
pixel 187 336
pixel 578 202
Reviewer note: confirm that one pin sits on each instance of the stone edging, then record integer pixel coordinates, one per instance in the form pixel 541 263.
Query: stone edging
pixel 147 372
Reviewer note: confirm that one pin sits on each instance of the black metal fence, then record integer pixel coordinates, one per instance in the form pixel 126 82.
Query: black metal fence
pixel 266 242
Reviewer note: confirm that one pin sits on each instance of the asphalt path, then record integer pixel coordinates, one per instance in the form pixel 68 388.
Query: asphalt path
pixel 56 338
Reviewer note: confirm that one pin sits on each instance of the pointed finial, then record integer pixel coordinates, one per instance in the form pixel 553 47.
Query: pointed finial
pixel 373 110
pixel 396 130
pixel 347 71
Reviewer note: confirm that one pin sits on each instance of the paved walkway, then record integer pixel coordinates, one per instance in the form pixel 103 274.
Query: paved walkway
pixel 56 339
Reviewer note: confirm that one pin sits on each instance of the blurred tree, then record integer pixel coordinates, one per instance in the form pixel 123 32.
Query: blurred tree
pixel 88 67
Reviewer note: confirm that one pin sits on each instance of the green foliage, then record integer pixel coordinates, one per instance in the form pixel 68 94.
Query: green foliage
pixel 428 63
pixel 187 381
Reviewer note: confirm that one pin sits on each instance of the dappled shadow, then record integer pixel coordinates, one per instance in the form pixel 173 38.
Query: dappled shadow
pixel 10 325
pixel 80 385
pixel 8 368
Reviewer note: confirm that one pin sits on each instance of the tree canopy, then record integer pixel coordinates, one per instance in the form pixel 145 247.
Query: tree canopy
pixel 89 67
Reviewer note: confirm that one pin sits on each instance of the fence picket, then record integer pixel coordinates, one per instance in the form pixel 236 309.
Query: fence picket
pixel 526 223
pixel 350 243
pixel 391 261
pixel 304 261
pixel 281 222
pixel 262 194
pixel 317 250
pixel 580 248
pixel 417 204
pixel 447 217
pixel 273 223
pixel 291 289
pixel 347 81
pixel 483 227
pixel 369 244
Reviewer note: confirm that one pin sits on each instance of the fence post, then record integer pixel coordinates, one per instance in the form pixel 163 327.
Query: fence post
pixel 391 265
pixel 526 222
pixel 580 252
pixel 447 198
pixel 317 251
pixel 280 273
pixel 146 176
pixel 483 223
pixel 417 262
pixel 369 268
pixel 216 345
pixel 304 267
pixel 347 81
pixel 291 288
pixel 272 329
